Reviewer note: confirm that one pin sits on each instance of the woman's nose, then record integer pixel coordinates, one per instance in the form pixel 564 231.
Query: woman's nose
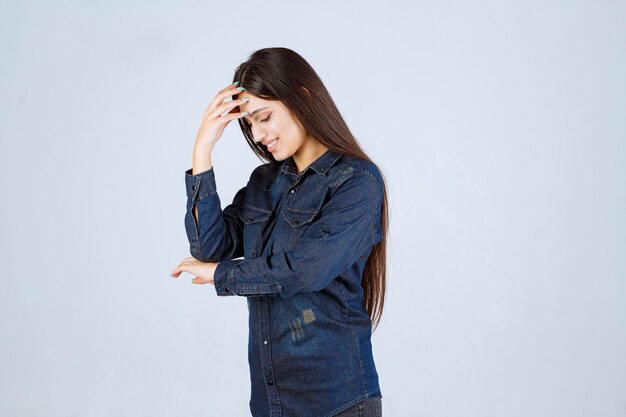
pixel 258 135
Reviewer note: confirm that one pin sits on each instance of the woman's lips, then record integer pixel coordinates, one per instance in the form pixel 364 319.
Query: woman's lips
pixel 272 145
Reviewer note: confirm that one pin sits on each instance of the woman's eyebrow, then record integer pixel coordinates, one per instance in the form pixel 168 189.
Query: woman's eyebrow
pixel 256 111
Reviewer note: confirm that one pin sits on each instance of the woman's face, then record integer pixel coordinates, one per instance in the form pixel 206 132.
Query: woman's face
pixel 272 121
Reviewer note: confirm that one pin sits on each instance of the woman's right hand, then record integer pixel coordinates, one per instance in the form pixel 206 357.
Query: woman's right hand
pixel 213 123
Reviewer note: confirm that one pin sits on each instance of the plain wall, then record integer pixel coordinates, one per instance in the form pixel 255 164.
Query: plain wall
pixel 500 128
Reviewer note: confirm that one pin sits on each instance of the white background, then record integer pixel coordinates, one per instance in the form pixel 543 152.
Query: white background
pixel 500 128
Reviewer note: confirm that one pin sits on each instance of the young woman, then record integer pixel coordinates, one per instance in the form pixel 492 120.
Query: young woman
pixel 311 225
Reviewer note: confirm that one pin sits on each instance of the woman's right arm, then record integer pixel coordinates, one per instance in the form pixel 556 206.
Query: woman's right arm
pixel 214 234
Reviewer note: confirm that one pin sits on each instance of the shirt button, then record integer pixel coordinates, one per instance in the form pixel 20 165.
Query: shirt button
pixel 226 289
pixel 193 187
pixel 265 342
pixel 293 191
pixel 270 382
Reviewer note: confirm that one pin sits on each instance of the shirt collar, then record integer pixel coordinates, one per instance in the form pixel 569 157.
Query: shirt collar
pixel 321 165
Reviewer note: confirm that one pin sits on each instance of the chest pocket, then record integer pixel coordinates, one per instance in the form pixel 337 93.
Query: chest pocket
pixel 298 221
pixel 298 218
pixel 255 219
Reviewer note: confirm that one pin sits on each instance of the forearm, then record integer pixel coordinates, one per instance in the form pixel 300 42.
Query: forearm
pixel 214 234
pixel 201 162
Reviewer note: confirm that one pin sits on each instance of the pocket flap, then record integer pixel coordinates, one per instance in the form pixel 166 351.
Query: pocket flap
pixel 299 217
pixel 251 214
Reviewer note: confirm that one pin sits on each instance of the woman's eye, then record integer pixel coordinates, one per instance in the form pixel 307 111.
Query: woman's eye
pixel 250 124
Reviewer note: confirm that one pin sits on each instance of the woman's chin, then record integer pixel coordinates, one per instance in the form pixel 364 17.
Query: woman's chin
pixel 278 156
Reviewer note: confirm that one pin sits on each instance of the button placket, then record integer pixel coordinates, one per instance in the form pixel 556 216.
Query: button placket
pixel 285 202
pixel 266 354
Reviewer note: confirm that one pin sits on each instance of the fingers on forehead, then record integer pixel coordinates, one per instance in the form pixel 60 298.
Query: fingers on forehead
pixel 231 89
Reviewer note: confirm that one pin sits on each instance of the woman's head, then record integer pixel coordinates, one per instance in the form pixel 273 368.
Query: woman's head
pixel 281 79
pixel 276 129
pixel 302 114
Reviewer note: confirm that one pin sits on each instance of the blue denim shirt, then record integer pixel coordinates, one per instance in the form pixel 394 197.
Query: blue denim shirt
pixel 304 239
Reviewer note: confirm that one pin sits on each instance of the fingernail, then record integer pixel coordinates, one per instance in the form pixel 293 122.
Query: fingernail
pixel 243 113
pixel 241 88
pixel 236 82
pixel 246 99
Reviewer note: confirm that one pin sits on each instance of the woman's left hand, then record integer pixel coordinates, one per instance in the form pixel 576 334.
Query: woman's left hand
pixel 204 271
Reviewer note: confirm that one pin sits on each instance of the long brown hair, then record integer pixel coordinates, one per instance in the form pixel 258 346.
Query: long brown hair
pixel 282 74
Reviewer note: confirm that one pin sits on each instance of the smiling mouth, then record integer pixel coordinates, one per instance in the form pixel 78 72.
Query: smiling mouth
pixel 271 145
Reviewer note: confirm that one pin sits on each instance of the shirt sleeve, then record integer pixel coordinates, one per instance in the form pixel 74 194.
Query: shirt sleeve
pixel 218 234
pixel 348 225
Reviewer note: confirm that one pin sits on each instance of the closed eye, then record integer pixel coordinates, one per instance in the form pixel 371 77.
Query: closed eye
pixel 264 120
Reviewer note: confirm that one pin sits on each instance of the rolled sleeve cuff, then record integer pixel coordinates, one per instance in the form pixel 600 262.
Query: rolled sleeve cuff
pixel 201 185
pixel 224 277
pixel 226 283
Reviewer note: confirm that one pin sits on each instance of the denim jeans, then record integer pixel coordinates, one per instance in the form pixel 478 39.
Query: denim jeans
pixel 369 407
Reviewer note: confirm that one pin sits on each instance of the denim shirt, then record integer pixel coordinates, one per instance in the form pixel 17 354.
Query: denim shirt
pixel 304 239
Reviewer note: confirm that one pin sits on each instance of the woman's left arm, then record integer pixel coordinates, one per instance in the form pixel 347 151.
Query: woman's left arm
pixel 348 225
